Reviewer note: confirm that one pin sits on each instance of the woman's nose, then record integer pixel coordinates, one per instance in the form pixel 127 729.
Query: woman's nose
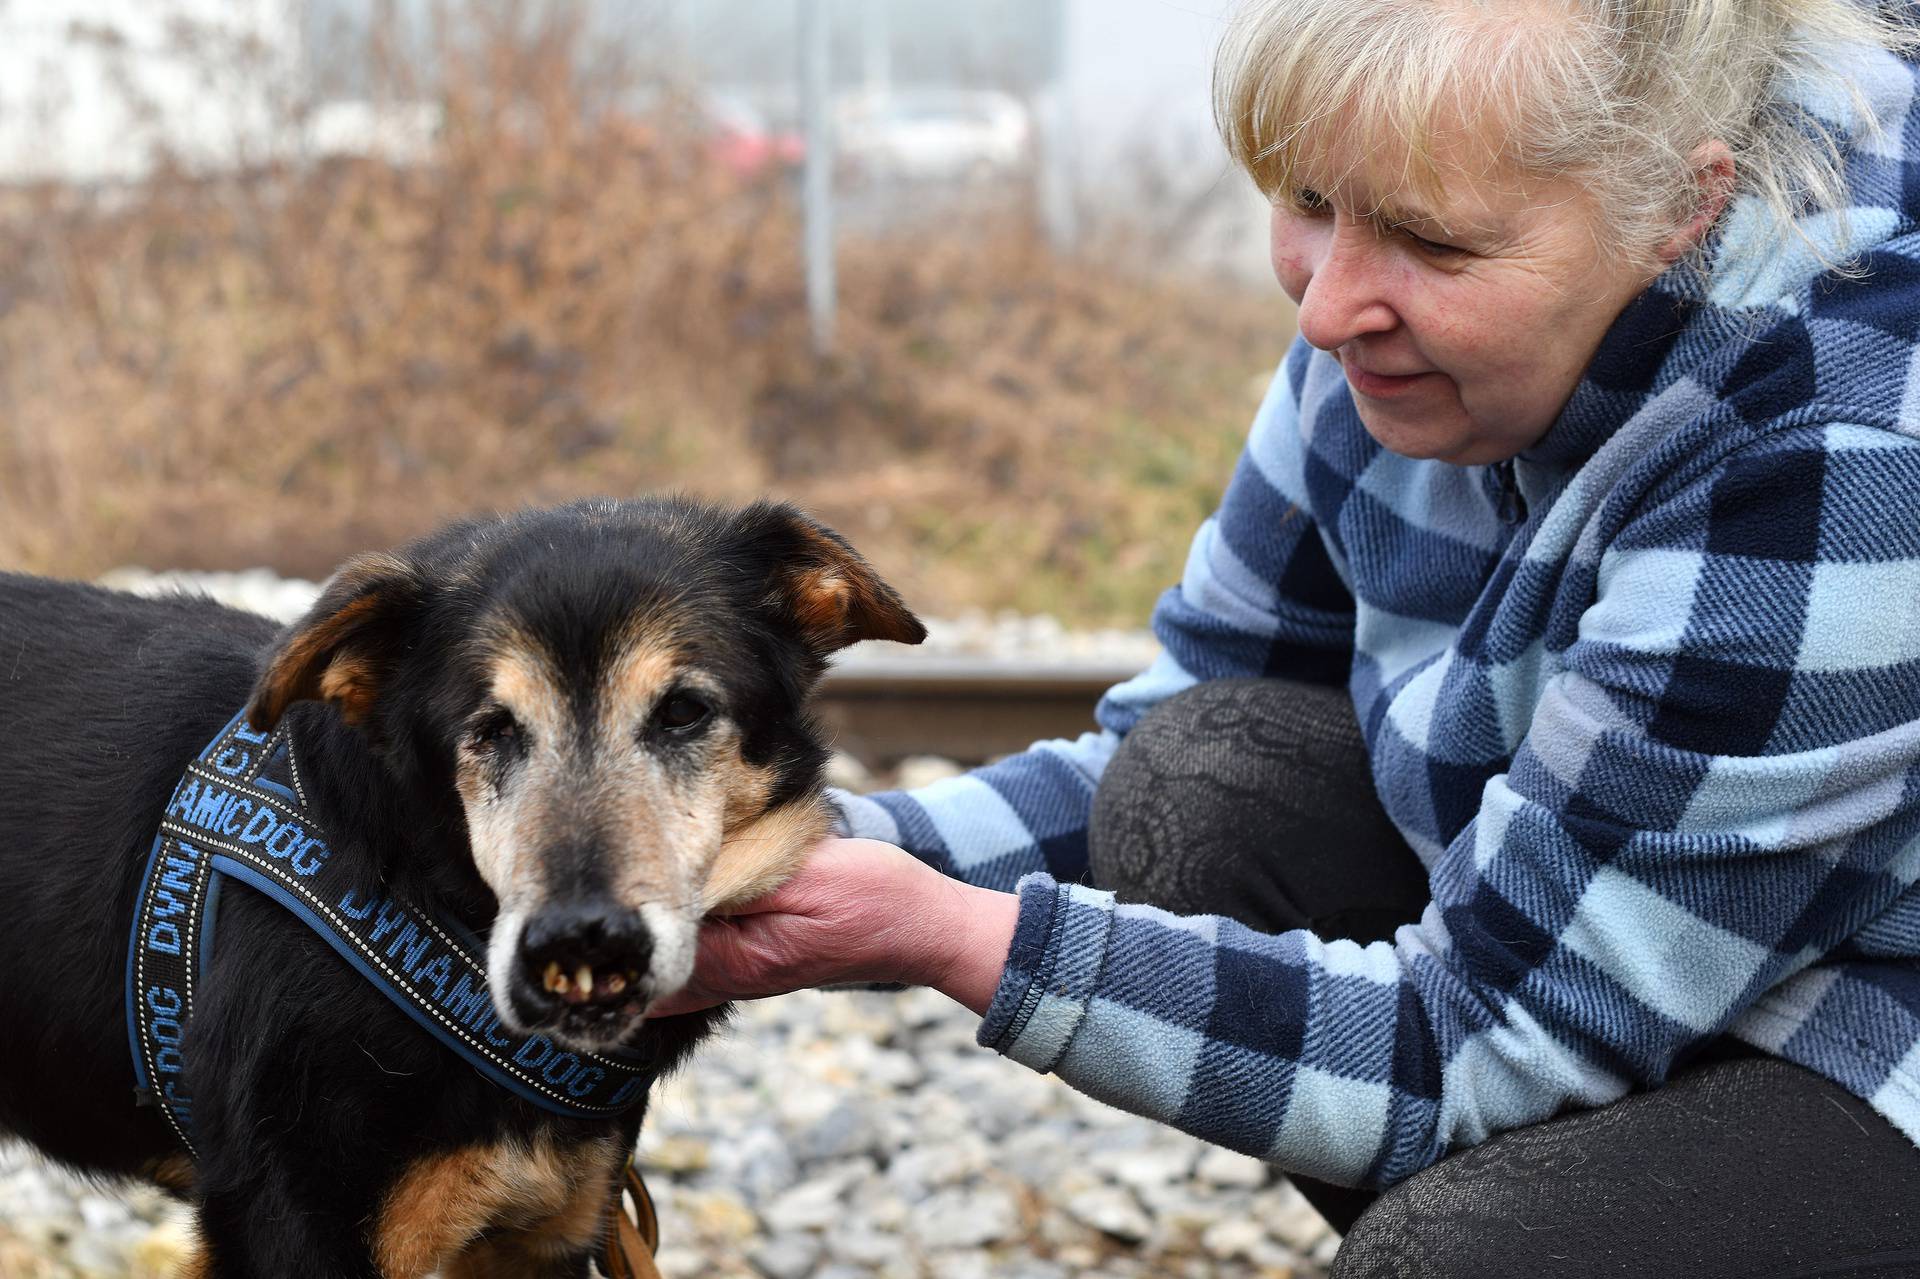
pixel 1343 297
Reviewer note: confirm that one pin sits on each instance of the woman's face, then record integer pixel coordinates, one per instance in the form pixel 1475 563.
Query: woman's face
pixel 1462 327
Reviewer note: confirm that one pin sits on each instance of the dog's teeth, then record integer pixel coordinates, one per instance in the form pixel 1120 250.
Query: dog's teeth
pixel 556 981
pixel 584 980
pixel 614 983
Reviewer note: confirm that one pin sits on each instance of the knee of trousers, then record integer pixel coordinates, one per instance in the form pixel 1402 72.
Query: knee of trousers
pixel 1395 1239
pixel 1455 1220
pixel 1201 766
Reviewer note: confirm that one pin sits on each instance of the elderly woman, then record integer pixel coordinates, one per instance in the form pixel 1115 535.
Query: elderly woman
pixel 1528 796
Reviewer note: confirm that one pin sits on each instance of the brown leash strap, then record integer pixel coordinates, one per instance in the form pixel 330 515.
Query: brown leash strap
pixel 635 1236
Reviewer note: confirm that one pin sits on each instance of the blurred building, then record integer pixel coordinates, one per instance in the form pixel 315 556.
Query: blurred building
pixel 88 87
pixel 1104 104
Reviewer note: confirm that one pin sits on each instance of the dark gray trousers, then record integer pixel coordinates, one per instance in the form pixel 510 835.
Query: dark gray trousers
pixel 1254 799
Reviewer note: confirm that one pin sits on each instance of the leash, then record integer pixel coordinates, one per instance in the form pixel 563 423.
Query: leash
pixel 634 1239
pixel 240 812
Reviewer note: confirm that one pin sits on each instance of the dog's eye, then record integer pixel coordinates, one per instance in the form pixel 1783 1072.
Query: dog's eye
pixel 495 731
pixel 681 713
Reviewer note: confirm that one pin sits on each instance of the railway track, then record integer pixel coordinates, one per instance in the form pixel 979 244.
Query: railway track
pixel 968 709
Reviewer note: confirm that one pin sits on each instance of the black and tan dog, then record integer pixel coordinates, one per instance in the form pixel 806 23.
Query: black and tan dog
pixel 576 730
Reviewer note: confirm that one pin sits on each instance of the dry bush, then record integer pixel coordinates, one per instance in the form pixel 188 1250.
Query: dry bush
pixel 290 363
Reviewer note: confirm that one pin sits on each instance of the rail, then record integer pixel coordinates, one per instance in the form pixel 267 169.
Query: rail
pixel 961 708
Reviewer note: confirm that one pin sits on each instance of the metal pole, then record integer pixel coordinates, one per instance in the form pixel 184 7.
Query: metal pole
pixel 817 168
pixel 878 52
pixel 1053 128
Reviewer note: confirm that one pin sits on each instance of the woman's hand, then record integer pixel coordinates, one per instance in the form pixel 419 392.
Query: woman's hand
pixel 858 911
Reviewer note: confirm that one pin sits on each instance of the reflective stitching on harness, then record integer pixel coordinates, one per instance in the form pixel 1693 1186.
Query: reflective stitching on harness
pixel 144 1011
pixel 293 773
pixel 223 818
pixel 342 928
pixel 267 752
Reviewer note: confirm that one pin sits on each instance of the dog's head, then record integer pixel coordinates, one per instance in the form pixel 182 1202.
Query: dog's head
pixel 615 693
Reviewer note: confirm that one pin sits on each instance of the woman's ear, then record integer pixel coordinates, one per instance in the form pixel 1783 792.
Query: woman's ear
pixel 832 595
pixel 1713 178
pixel 343 649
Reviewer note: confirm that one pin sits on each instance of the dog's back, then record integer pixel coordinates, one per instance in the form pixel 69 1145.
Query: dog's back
pixel 103 698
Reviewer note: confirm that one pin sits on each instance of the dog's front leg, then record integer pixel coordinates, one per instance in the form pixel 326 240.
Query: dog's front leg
pixel 266 1228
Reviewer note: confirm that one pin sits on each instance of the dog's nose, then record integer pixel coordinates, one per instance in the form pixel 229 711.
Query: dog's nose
pixel 586 952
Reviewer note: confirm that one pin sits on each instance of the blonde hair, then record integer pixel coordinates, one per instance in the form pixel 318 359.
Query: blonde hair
pixel 1618 93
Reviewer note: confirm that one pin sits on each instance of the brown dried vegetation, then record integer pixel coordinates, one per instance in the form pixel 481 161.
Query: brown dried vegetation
pixel 295 362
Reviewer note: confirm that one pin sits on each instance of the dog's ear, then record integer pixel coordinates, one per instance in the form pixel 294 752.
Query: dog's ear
pixel 342 650
pixel 832 594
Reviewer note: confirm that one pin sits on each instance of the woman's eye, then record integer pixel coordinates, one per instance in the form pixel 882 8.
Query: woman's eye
pixel 1309 202
pixel 495 731
pixel 681 713
pixel 1433 248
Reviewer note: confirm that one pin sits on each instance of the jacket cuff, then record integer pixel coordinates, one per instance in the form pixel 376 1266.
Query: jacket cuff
pixel 861 818
pixel 1054 965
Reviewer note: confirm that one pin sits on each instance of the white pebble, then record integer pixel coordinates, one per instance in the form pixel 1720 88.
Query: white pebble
pixel 1111 1211
pixel 788 1256
pixel 1219 1166
pixel 961 1218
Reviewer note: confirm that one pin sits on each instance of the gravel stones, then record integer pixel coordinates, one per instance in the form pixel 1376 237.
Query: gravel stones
pixel 962 1164
pixel 796 1146
pixel 56 1226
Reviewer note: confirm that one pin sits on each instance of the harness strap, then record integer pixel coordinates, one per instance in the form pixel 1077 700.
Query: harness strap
pixel 227 820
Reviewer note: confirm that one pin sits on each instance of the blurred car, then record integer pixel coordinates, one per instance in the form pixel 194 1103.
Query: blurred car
pixel 933 134
pixel 400 133
pixel 730 126
pixel 744 141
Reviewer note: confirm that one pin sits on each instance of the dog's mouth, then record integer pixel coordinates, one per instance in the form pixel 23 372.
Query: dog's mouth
pixel 584 974
pixel 590 1009
pixel 598 1002
pixel 593 1026
pixel 597 985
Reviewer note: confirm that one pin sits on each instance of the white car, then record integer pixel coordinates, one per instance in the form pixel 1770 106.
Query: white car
pixel 933 134
pixel 400 133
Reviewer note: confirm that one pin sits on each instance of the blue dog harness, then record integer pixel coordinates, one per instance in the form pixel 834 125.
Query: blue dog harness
pixel 241 813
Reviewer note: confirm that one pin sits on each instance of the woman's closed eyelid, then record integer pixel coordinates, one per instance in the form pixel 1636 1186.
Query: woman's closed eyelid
pixel 1424 244
pixel 1438 248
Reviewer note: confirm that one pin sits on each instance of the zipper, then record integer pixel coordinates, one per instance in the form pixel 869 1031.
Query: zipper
pixel 1509 503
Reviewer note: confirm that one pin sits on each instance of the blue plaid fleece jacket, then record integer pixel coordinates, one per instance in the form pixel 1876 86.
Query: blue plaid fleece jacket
pixel 1656 738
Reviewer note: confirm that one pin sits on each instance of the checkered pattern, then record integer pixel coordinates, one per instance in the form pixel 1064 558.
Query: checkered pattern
pixel 1658 742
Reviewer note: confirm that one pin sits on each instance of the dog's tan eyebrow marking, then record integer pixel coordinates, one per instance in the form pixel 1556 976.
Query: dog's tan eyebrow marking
pixel 523 680
pixel 646 663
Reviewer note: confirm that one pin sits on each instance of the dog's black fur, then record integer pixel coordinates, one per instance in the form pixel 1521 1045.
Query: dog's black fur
pixel 313 1095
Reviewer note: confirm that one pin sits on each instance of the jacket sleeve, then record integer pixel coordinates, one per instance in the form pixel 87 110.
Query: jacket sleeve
pixel 1259 596
pixel 1718 787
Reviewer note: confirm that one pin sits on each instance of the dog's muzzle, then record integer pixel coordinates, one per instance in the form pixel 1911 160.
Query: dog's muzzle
pixel 582 963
